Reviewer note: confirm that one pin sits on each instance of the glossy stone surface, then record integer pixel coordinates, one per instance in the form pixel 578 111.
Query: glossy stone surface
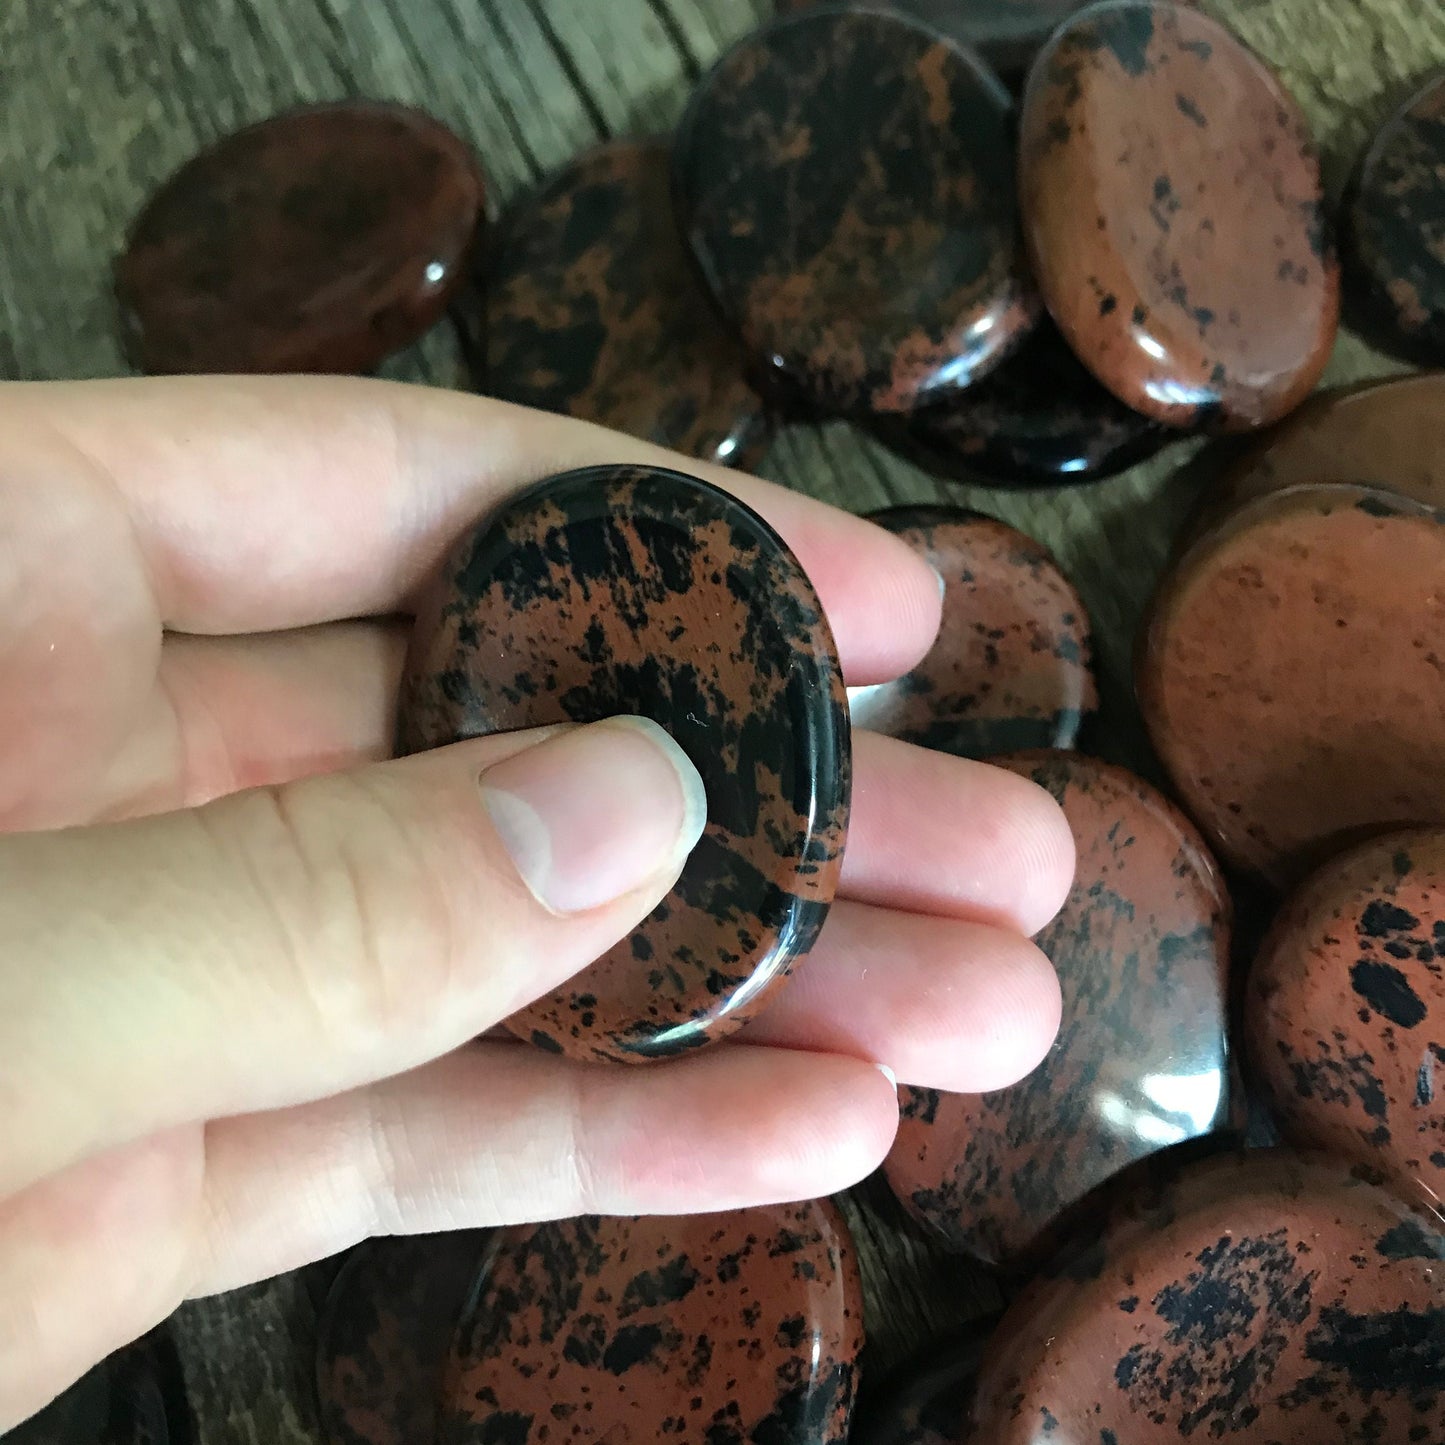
pixel 1142 1058
pixel 1291 679
pixel 1345 1011
pixel 593 309
pixel 632 590
pixel 726 1328
pixel 385 1333
pixel 1173 207
pixel 1039 420
pixel 845 179
pixel 1259 1299
pixel 1385 434
pixel 929 1402
pixel 1012 665
pixel 1394 230
pixel 134 1397
pixel 320 240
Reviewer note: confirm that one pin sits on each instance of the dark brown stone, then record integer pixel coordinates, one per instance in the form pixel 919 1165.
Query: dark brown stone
pixel 1291 676
pixel 928 1402
pixel 1175 217
pixel 633 590
pixel 1395 231
pixel 1345 1013
pixel 322 239
pixel 1012 665
pixel 1142 1060
pixel 385 1333
pixel 1260 1299
pixel 845 179
pixel 720 1328
pixel 593 309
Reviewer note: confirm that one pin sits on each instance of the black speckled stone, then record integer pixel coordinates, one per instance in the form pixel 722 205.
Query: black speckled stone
pixel 593 309
pixel 1395 232
pixel 620 590
pixel 1040 420
pixel 385 1332
pixel 846 181
pixel 725 1329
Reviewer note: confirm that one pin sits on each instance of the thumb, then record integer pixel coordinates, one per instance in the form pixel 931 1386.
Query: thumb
pixel 286 943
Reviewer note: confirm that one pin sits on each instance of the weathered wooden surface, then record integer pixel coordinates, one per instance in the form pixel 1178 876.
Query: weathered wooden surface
pixel 101 98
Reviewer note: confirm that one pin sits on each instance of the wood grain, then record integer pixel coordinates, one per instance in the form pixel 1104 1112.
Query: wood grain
pixel 101 98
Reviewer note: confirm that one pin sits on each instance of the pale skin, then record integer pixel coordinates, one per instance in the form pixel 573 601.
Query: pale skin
pixel 245 958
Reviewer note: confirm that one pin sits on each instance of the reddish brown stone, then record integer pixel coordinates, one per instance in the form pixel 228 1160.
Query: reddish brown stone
pixel 633 590
pixel 322 239
pixel 385 1333
pixel 593 309
pixel 1174 212
pixel 1291 675
pixel 845 179
pixel 1259 1299
pixel 1345 1013
pixel 1394 241
pixel 724 1328
pixel 1142 1061
pixel 1012 665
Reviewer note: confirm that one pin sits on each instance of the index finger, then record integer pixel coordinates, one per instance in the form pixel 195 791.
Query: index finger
pixel 265 503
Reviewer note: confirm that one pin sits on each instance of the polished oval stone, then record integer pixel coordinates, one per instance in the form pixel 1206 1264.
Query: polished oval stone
pixel 1259 1299
pixel 1393 231
pixel 385 1333
pixel 593 309
pixel 722 1328
pixel 1173 206
pixel 1142 1058
pixel 928 1402
pixel 322 239
pixel 1290 675
pixel 1345 1013
pixel 1039 420
pixel 845 179
pixel 1012 666
pixel 1385 434
pixel 634 590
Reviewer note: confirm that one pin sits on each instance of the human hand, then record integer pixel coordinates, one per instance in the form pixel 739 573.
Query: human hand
pixel 242 956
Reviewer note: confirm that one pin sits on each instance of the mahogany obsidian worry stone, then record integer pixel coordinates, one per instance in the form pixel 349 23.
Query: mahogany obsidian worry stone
pixel 594 309
pixel 846 181
pixel 1290 674
pixel 1385 434
pixel 385 1334
pixel 1345 1013
pixel 929 1402
pixel 1173 206
pixel 1261 1299
pixel 1012 665
pixel 134 1397
pixel 1394 231
pixel 322 239
pixel 1142 1059
pixel 725 1328
pixel 1039 420
pixel 634 590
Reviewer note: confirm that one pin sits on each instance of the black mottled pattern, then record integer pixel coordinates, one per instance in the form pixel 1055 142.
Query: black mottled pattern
pixel 845 179
pixel 1142 1057
pixel 1012 666
pixel 1260 1298
pixel 593 310
pixel 1345 1008
pixel 384 1336
pixel 728 1329
pixel 1040 420
pixel 622 590
pixel 1395 232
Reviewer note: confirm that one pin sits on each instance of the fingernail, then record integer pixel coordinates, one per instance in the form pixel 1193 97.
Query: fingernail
pixel 942 585
pixel 889 1075
pixel 596 813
